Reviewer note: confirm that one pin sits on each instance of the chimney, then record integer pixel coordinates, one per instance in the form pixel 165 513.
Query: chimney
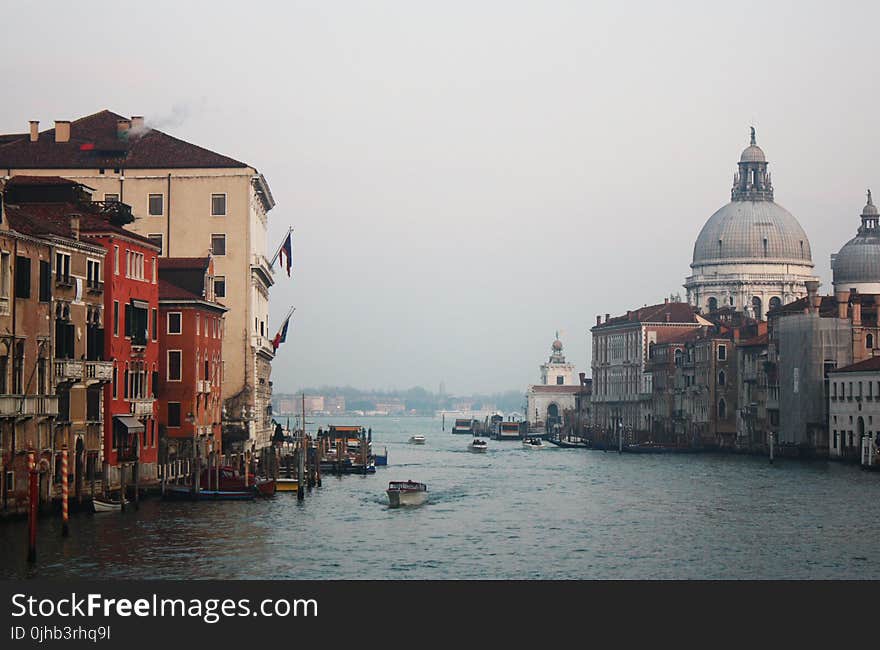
pixel 857 312
pixel 74 226
pixel 35 130
pixel 841 297
pixel 813 299
pixel 137 122
pixel 736 335
pixel 583 378
pixel 666 301
pixel 122 126
pixel 629 314
pixel 607 316
pixel 598 320
pixel 62 131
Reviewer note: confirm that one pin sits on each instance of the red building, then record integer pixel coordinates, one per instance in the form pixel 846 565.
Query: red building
pixel 131 305
pixel 190 357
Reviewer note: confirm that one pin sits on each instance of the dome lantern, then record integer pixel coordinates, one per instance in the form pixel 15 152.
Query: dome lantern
pixel 752 181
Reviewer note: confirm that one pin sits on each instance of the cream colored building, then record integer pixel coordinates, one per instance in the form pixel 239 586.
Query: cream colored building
pixel 193 202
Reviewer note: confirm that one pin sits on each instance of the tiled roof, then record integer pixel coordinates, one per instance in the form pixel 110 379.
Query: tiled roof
pixel 184 263
pixel 668 312
pixel 23 180
pixel 169 291
pixel 11 137
pixel 94 144
pixel 872 364
pixel 44 219
pixel 761 339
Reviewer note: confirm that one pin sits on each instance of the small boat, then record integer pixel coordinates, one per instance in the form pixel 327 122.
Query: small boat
pixel 105 505
pixel 533 443
pixel 478 446
pixel 417 440
pixel 265 487
pixel 186 493
pixel 406 493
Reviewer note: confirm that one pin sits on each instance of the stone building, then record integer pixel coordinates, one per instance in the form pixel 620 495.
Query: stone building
pixel 546 402
pixel 752 254
pixel 622 390
pixel 854 412
pixel 190 202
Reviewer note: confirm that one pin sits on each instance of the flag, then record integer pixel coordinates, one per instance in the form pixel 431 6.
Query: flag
pixel 287 251
pixel 281 336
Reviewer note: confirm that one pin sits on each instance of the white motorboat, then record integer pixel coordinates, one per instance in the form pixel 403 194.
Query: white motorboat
pixel 417 440
pixel 406 493
pixel 533 443
pixel 104 505
pixel 478 446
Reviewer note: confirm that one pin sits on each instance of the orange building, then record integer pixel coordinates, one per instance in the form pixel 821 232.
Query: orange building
pixel 191 324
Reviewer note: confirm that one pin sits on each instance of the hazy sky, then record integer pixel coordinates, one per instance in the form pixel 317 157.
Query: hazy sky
pixel 465 178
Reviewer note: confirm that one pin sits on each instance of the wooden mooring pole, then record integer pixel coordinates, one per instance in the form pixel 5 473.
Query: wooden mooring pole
pixel 34 500
pixel 65 529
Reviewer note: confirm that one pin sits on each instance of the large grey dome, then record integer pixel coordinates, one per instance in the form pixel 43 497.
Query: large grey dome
pixel 858 261
pixel 752 231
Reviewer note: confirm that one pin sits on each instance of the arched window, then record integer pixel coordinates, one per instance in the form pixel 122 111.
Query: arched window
pixel 722 409
pixel 651 349
pixel 775 303
pixel 678 357
pixel 712 305
pixel 756 306
pixel 722 378
pixel 869 341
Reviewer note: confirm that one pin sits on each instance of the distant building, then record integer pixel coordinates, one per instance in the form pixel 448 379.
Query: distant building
pixel 546 402
pixel 854 412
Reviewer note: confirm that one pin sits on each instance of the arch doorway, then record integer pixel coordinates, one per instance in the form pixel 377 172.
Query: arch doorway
pixel 553 416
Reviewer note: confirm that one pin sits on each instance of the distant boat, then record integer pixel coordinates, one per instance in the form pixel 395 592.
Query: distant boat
pixel 533 443
pixel 478 446
pixel 406 493
pixel 283 484
pixel 417 440
pixel 106 505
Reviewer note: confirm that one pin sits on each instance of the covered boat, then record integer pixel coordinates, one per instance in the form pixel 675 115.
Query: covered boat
pixel 478 446
pixel 406 493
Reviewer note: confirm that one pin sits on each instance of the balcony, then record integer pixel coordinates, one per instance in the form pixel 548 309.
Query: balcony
pixel 142 407
pixel 95 286
pixel 261 344
pixel 98 371
pixel 68 370
pixel 260 265
pixel 65 281
pixel 25 406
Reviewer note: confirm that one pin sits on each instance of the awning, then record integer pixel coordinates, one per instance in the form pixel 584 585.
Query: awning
pixel 140 304
pixel 132 424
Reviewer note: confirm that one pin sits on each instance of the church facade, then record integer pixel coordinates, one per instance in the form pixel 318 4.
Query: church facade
pixel 546 402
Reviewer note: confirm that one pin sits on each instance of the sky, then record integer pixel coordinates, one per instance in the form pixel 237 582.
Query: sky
pixel 465 179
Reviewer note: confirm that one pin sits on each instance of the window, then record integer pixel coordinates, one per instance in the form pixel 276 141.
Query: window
pixel 869 341
pixel 560 380
pixel 220 286
pixel 173 414
pixel 155 324
pixel 22 277
pixel 722 352
pixel 155 205
pixel 115 318
pixel 218 205
pixel 62 268
pixel 722 378
pixel 157 239
pixel 4 275
pixel 712 305
pixel 116 260
pixel 93 274
pixel 218 244
pixel 45 281
pixel 175 324
pixel 174 365
pixel 115 382
pixel 111 197
pixel 722 410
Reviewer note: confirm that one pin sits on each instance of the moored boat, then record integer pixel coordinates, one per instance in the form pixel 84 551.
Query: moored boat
pixel 478 446
pixel 533 443
pixel 283 484
pixel 406 493
pixel 417 440
pixel 106 505
pixel 186 493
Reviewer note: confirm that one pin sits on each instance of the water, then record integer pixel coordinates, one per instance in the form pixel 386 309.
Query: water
pixel 509 513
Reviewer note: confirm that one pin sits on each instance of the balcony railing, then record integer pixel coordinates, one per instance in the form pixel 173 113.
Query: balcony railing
pixel 99 370
pixel 261 343
pixel 65 281
pixel 28 405
pixel 68 370
pixel 142 407
pixel 95 286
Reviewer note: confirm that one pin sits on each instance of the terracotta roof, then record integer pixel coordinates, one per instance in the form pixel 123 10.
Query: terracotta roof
pixel 42 219
pixel 761 339
pixel 24 180
pixel 678 335
pixel 169 291
pixel 677 312
pixel 94 144
pixel 184 263
pixel 12 137
pixel 872 364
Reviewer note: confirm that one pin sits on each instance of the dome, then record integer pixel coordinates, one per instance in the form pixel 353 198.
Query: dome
pixel 858 261
pixel 753 153
pixel 754 231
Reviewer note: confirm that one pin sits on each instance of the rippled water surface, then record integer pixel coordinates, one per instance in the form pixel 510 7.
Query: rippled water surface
pixel 509 513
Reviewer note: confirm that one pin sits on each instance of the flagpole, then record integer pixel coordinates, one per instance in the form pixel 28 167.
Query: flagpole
pixel 280 246
pixel 292 309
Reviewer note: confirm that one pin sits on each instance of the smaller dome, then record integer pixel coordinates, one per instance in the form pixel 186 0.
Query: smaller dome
pixel 557 345
pixel 751 154
pixel 870 209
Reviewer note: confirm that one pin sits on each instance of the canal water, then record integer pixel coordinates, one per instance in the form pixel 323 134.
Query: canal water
pixel 508 514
